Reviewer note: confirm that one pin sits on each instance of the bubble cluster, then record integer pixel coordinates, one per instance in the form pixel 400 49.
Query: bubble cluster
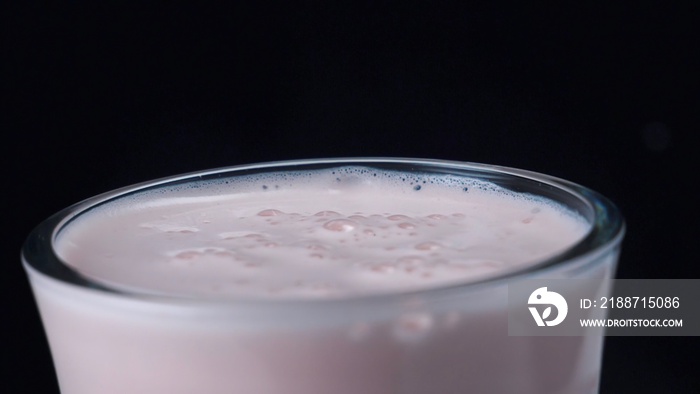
pixel 331 252
pixel 340 178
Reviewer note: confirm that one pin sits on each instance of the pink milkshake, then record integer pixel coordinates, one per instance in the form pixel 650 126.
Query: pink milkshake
pixel 319 277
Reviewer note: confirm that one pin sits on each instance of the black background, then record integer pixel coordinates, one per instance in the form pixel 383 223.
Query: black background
pixel 100 96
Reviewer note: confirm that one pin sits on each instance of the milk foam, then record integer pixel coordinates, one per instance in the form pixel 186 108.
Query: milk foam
pixel 330 233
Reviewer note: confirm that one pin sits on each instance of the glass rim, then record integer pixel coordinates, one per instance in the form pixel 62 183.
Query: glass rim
pixel 606 232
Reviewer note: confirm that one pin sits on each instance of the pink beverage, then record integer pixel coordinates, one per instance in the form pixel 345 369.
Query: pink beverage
pixel 373 276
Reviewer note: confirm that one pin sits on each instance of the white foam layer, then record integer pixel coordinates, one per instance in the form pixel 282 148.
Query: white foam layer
pixel 329 233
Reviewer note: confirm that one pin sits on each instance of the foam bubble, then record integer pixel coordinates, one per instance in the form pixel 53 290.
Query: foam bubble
pixel 270 212
pixel 344 225
pixel 430 245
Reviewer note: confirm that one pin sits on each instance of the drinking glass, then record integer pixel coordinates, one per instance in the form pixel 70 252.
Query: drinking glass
pixel 451 339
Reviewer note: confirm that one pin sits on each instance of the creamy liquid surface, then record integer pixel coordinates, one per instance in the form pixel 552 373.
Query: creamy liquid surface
pixel 327 234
